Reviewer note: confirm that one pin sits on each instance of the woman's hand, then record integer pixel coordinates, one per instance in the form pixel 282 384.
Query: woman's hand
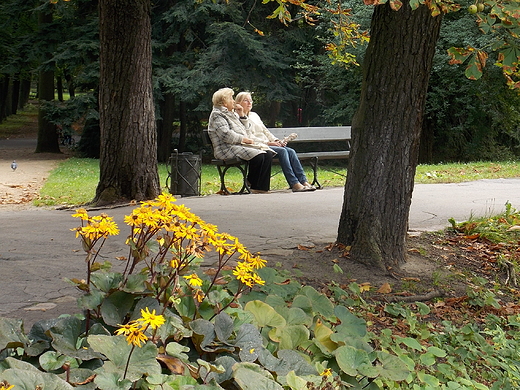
pixel 248 141
pixel 239 109
pixel 277 143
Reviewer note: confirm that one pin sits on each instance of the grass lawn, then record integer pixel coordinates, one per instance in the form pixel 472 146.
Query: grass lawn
pixel 74 181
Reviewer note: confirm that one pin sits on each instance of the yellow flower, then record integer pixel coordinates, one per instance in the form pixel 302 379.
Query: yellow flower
pixel 326 372
pixel 127 329
pixel 256 262
pixel 81 213
pixel 193 280
pixel 242 274
pixel 151 319
pixel 136 337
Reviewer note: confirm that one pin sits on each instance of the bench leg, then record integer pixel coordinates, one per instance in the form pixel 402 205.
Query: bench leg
pixel 314 165
pixel 222 170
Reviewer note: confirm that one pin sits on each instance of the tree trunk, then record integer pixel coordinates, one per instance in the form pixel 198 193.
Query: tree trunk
pixel 48 141
pixel 385 135
pixel 183 130
pixel 128 156
pixel 165 128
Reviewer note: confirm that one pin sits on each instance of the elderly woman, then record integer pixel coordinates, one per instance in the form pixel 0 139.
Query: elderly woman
pixel 289 162
pixel 227 129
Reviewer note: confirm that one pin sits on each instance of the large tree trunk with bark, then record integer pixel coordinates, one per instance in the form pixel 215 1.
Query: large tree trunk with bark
pixel 128 156
pixel 385 135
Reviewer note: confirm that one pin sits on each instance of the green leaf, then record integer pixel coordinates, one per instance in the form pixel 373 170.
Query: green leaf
pixel 115 307
pixel 252 377
pixel 392 367
pixel 112 381
pixel 428 379
pixel 24 379
pixel 428 359
pixel 223 326
pixel 51 361
pixel 423 308
pixel 295 382
pixel 350 324
pixel 204 328
pixel 67 339
pixel 106 281
pixel 290 337
pixel 11 334
pixel 117 350
pixel 136 283
pixel 437 351
pixel 320 302
pixel 92 300
pixel 264 314
pixel 354 361
pixel 412 343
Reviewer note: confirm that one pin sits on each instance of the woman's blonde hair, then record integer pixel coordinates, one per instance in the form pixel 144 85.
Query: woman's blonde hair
pixel 242 95
pixel 221 96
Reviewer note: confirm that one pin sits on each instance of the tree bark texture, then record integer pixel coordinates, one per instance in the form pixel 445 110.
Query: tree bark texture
pixel 48 140
pixel 128 155
pixel 386 131
pixel 165 127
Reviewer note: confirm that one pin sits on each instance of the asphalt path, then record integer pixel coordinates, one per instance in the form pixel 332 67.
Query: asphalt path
pixel 38 251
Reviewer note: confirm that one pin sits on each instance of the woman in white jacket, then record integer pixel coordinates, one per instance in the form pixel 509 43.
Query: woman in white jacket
pixel 289 162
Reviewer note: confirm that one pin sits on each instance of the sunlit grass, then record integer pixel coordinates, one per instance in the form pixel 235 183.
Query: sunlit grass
pixel 74 181
pixel 460 172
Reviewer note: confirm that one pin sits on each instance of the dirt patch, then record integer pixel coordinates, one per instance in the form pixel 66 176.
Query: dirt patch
pixel 20 186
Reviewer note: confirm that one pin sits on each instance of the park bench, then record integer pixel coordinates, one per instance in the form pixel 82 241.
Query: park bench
pixel 315 138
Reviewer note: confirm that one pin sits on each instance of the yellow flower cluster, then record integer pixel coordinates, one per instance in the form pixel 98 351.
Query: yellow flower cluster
pixel 96 227
pixel 134 330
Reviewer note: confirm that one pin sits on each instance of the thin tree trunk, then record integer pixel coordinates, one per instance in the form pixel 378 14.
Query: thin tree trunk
pixel 165 128
pixel 385 135
pixel 48 141
pixel 128 155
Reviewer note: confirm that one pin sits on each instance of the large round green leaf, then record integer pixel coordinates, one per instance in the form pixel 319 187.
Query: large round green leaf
pixel 264 314
pixel 355 362
pixel 252 377
pixel 117 350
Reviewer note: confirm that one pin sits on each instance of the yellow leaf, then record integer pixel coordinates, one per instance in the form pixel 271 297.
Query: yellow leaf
pixel 364 287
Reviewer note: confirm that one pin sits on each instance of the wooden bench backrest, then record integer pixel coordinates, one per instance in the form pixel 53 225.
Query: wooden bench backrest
pixel 314 134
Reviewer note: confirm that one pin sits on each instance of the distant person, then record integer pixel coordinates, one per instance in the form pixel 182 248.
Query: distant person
pixel 227 131
pixel 289 162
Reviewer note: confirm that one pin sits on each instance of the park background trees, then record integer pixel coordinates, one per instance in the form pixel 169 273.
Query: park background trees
pixel 198 47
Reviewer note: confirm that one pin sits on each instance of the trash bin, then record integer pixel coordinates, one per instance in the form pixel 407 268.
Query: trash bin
pixel 185 173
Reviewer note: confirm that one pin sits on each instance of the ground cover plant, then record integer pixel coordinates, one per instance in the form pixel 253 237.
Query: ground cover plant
pixel 156 321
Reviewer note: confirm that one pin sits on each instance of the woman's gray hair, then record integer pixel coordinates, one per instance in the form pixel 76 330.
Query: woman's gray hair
pixel 221 96
pixel 242 95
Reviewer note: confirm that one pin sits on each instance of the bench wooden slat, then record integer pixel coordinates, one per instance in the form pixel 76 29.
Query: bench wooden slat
pixel 324 155
pixel 314 134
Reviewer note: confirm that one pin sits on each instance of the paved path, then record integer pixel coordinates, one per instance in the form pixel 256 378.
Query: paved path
pixel 38 250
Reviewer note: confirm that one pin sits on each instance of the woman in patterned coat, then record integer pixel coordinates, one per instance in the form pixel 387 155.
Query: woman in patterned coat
pixel 227 129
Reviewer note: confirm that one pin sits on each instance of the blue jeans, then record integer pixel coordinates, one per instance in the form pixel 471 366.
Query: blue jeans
pixel 291 165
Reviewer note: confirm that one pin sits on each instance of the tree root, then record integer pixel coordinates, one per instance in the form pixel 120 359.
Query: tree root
pixel 412 298
pixel 510 272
